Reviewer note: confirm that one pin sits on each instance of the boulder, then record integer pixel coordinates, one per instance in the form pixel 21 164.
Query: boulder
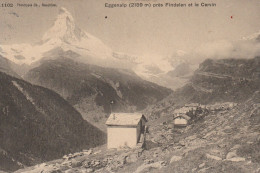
pixel 75 163
pixel 147 161
pixel 175 158
pixel 157 165
pixel 194 169
pixel 209 156
pixel 231 155
pixel 89 170
pixel 97 152
pixel 237 159
pixel 202 165
pixel 87 152
pixel 132 158
pixel 182 143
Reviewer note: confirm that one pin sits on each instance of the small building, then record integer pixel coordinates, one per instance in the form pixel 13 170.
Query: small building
pixel 181 120
pixel 125 129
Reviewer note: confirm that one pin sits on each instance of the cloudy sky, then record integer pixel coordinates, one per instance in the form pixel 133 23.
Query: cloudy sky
pixel 139 31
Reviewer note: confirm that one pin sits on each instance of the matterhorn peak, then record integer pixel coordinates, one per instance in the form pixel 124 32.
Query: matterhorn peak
pixel 64 14
pixel 64 10
pixel 63 34
pixel 64 29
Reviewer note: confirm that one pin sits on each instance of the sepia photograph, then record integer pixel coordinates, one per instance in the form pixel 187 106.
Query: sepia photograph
pixel 130 86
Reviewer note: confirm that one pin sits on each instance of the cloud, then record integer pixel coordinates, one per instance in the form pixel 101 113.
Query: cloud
pixel 222 49
pixel 246 49
pixel 226 49
pixel 216 49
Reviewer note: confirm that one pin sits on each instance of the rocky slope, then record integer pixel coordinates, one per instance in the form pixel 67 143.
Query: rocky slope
pixel 37 125
pixel 226 80
pixel 233 80
pixel 90 89
pixel 225 140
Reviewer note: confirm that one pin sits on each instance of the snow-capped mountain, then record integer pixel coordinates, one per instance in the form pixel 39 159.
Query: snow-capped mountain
pixel 66 39
pixel 63 34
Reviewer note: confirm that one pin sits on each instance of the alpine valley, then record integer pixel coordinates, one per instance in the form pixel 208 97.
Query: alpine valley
pixel 82 70
pixel 56 94
pixel 74 84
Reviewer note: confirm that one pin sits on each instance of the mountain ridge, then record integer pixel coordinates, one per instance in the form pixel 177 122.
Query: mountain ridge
pixel 64 34
pixel 225 80
pixel 37 125
pixel 88 86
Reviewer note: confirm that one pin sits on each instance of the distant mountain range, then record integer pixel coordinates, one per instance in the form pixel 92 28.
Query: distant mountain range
pixel 66 36
pixel 79 45
pixel 37 125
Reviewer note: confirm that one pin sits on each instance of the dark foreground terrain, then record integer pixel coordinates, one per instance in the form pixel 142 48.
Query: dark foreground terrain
pixel 38 125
